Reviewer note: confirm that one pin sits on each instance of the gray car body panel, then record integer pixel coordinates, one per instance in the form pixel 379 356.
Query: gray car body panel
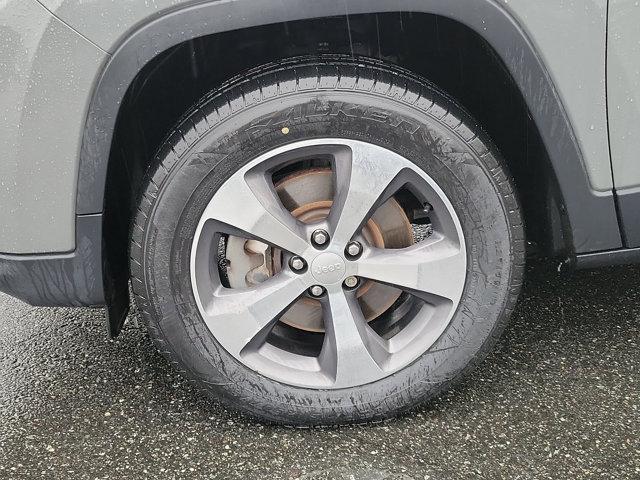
pixel 47 75
pixel 623 87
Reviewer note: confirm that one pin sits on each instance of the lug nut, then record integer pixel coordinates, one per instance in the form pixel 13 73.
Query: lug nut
pixel 320 237
pixel 297 264
pixel 354 249
pixel 316 291
pixel 350 282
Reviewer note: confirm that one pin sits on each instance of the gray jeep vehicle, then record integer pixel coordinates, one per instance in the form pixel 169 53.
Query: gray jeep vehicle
pixel 322 207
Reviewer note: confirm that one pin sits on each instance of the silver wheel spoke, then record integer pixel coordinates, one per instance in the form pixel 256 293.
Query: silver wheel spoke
pixel 434 267
pixel 241 317
pixel 247 206
pixel 363 181
pixel 352 352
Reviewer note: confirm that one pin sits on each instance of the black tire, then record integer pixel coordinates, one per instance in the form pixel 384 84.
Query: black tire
pixel 363 100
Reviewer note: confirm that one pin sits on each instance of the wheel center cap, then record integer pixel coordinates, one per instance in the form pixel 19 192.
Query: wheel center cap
pixel 328 268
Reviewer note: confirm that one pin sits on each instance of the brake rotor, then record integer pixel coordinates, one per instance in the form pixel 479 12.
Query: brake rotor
pixel 308 196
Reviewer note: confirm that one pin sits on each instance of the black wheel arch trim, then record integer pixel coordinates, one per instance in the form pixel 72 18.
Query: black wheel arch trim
pixel 591 218
pixel 79 278
pixel 622 256
pixel 61 279
pixel 629 211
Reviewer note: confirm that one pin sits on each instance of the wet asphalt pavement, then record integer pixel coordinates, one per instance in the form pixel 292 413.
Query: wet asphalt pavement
pixel 559 398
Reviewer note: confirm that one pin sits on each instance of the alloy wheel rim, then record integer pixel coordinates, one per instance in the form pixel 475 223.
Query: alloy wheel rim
pixel 431 273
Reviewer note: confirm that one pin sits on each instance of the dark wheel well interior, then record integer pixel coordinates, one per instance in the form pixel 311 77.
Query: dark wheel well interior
pixel 444 51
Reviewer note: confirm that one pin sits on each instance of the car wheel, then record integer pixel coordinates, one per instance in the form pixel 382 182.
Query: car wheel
pixel 326 241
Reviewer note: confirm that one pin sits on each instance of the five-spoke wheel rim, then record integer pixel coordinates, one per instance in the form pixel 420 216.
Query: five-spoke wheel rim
pixel 431 272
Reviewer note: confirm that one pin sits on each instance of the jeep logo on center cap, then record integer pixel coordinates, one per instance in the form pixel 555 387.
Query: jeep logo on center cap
pixel 328 268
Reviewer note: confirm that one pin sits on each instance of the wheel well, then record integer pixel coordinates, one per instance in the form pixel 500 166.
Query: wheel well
pixel 444 51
